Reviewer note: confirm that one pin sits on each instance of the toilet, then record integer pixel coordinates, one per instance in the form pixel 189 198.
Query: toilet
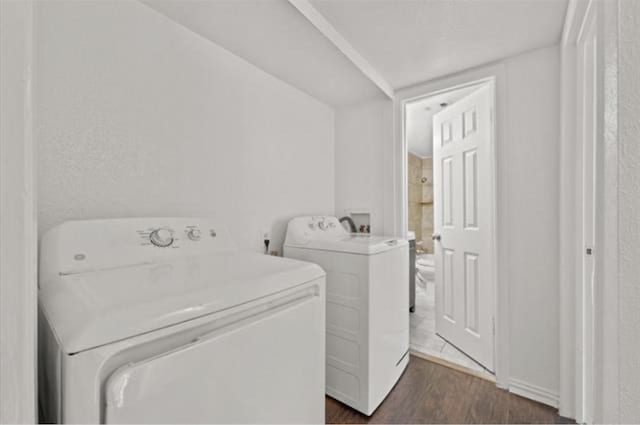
pixel 426 268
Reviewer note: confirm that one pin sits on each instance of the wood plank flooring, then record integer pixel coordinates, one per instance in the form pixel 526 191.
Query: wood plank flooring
pixel 431 393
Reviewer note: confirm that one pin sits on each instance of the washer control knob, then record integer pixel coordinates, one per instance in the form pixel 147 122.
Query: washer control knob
pixel 323 225
pixel 161 237
pixel 194 234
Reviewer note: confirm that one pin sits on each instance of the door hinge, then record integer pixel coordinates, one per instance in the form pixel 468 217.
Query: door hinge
pixel 589 250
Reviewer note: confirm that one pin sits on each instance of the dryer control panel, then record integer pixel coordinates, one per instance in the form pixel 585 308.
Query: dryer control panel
pixel 166 236
pixel 90 245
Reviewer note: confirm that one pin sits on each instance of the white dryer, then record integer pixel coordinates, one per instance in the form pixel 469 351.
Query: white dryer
pixel 163 320
pixel 367 314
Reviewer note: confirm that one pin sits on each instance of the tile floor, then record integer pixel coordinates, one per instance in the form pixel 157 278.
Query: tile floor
pixel 423 331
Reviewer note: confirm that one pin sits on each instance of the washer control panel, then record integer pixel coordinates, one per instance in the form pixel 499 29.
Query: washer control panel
pixel 321 222
pixel 301 230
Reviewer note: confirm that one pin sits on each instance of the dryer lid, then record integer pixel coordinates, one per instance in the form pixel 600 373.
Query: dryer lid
pixel 87 310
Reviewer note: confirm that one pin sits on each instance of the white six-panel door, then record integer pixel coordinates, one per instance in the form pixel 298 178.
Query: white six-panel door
pixel 462 214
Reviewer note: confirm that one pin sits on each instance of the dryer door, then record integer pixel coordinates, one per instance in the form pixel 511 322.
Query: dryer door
pixel 267 368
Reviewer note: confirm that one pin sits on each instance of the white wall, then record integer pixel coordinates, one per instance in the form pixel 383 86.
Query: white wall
pixel 18 245
pixel 528 200
pixel 363 138
pixel 533 130
pixel 628 207
pixel 138 116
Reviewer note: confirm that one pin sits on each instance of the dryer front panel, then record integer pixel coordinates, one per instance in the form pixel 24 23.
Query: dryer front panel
pixel 267 368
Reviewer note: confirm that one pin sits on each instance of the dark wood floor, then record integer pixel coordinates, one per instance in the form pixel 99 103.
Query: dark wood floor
pixel 431 393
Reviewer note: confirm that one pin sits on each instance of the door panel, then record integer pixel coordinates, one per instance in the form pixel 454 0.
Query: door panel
pixel 469 122
pixel 447 134
pixel 471 300
pixel 447 191
pixel 470 189
pixel 447 281
pixel 463 196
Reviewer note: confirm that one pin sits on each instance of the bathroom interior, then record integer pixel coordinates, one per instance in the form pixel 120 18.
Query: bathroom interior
pixel 425 340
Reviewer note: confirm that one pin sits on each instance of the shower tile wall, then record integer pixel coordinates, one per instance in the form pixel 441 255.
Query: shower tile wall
pixel 415 196
pixel 421 200
pixel 427 205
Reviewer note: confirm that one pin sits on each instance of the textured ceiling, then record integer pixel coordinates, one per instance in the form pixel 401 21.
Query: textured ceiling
pixel 409 42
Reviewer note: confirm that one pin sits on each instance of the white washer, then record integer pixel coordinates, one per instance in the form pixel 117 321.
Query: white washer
pixel 163 320
pixel 367 314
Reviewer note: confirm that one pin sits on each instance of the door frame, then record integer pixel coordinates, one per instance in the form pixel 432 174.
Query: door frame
pixel 588 326
pixel 587 130
pixel 494 75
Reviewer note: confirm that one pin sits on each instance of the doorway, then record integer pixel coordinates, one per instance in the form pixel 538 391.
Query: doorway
pixel 450 210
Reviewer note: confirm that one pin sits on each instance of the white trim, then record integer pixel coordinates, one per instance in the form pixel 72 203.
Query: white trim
pixel 574 18
pixel 533 392
pixel 396 210
pixel 568 243
pixel 570 377
pixel 320 22
pixel 587 13
pixel 568 21
pixel 588 332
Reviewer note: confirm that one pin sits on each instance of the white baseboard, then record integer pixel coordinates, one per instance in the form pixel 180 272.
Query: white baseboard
pixel 534 392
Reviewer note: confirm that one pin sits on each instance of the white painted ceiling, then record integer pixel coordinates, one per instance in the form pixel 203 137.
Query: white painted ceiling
pixel 419 119
pixel 275 37
pixel 405 41
pixel 409 42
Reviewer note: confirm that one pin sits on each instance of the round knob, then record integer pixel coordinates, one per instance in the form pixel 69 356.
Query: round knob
pixel 194 234
pixel 161 237
pixel 323 225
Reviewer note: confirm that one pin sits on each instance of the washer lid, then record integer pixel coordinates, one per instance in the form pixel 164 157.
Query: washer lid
pixel 354 244
pixel 327 234
pixel 86 310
